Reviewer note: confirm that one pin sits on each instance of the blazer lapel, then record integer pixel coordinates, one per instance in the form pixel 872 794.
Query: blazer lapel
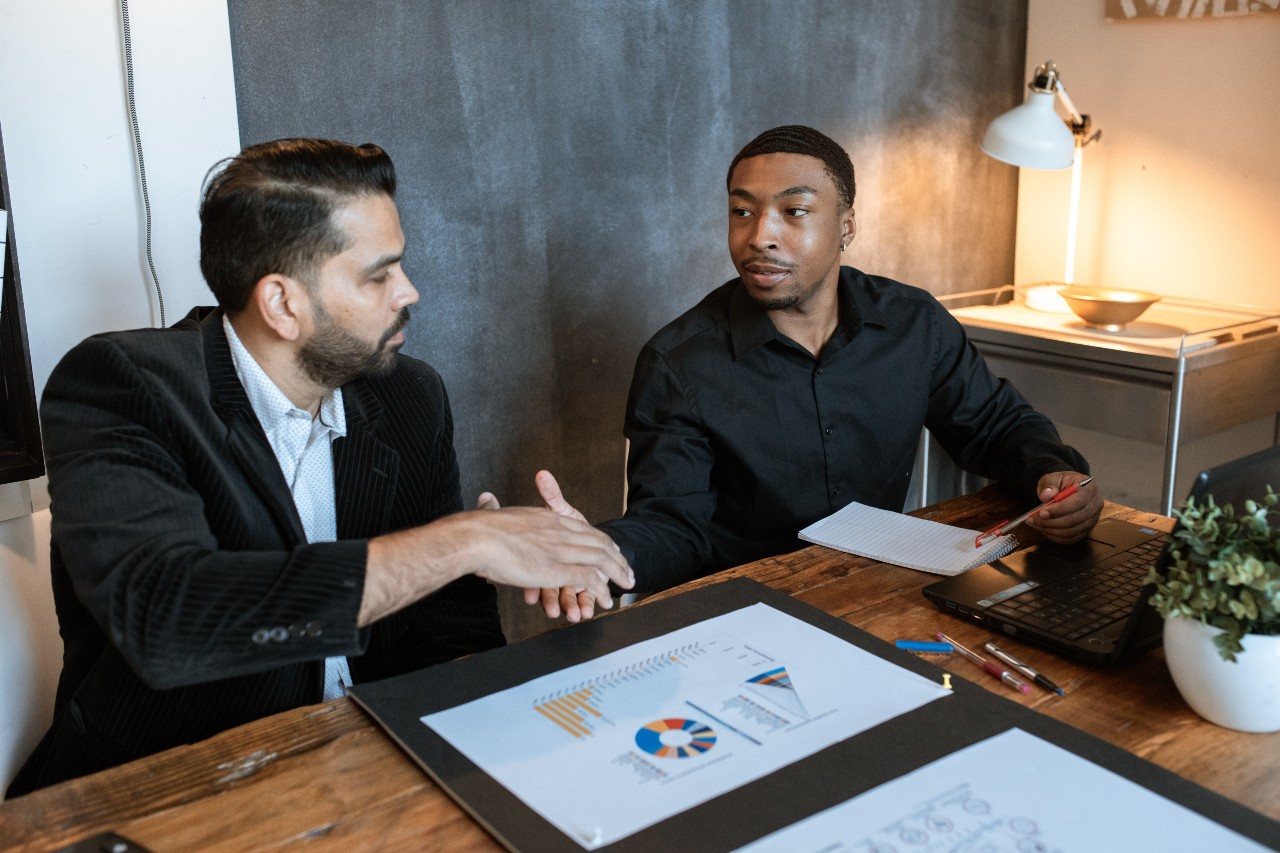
pixel 246 442
pixel 365 468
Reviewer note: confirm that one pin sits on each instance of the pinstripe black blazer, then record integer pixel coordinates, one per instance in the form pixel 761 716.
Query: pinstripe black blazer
pixel 187 596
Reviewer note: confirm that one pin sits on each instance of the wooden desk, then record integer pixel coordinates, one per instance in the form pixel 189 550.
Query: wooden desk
pixel 326 777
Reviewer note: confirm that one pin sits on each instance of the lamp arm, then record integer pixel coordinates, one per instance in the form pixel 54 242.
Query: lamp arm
pixel 1046 80
pixel 1076 118
pixel 1080 124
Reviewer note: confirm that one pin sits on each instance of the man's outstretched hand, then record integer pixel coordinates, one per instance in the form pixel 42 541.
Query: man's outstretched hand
pixel 575 602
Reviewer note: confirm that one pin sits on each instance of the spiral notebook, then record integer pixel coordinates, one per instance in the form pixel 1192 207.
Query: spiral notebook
pixel 904 540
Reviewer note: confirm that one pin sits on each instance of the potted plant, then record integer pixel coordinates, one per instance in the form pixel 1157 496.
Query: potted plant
pixel 1219 595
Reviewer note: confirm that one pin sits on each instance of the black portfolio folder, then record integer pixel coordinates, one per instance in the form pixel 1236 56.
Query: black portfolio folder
pixel 801 789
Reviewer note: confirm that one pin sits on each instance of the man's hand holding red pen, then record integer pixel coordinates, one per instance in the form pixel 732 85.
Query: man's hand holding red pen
pixel 1073 516
pixel 1068 511
pixel 1070 518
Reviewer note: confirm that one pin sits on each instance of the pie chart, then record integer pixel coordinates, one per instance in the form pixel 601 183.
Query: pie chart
pixel 675 737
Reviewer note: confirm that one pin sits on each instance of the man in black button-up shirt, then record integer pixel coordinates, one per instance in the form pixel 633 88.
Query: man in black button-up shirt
pixel 801 386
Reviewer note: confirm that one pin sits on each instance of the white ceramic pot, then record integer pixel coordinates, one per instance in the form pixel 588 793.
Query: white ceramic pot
pixel 1244 695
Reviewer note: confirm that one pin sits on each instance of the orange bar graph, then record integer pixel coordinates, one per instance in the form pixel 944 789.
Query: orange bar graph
pixel 571 712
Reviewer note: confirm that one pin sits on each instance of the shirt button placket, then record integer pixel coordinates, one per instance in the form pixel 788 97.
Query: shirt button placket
pixel 826 432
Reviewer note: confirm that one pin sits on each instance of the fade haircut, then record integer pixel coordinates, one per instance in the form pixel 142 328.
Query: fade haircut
pixel 269 210
pixel 798 139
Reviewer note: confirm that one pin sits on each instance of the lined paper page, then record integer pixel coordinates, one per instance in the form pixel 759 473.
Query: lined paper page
pixel 904 540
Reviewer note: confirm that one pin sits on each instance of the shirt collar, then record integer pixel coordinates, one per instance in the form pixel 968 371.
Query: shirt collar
pixel 750 326
pixel 856 303
pixel 270 403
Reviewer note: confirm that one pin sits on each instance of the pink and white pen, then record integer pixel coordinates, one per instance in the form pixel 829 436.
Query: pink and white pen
pixel 990 666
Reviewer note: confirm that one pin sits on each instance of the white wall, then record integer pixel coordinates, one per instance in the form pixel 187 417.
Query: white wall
pixel 30 650
pixel 77 216
pixel 76 207
pixel 1182 194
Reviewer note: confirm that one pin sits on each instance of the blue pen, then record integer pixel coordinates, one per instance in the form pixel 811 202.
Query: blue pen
pixel 924 646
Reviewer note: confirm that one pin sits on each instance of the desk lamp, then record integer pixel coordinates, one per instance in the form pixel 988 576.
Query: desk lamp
pixel 1033 135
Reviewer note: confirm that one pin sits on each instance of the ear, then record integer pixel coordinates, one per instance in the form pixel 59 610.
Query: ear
pixel 848 227
pixel 282 304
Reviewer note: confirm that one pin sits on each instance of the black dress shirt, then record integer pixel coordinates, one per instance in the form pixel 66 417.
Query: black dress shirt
pixel 740 437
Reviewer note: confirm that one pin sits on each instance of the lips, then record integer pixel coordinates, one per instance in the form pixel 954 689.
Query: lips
pixel 394 336
pixel 764 274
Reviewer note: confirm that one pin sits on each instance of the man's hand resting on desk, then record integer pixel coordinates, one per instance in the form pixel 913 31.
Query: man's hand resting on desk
pixel 1071 518
pixel 575 602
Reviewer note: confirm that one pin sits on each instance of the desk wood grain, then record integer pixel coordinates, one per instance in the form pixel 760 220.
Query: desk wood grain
pixel 324 777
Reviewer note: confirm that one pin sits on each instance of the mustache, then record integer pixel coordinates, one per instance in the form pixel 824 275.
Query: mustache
pixel 769 261
pixel 402 320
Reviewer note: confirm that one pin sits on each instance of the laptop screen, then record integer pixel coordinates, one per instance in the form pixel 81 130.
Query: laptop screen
pixel 1240 480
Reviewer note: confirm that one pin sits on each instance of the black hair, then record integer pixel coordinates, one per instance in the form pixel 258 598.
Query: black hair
pixel 798 139
pixel 268 210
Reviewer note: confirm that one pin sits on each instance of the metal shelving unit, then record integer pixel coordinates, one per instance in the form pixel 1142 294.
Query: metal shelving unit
pixel 1184 370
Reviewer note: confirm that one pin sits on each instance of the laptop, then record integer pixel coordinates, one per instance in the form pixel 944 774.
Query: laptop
pixel 1088 600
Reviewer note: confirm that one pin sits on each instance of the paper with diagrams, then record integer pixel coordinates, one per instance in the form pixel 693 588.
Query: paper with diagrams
pixel 1012 793
pixel 608 747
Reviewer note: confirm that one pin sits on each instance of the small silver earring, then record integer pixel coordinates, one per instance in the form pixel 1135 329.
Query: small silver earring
pixel 842 247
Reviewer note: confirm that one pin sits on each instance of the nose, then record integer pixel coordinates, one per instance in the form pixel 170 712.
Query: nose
pixel 406 294
pixel 764 234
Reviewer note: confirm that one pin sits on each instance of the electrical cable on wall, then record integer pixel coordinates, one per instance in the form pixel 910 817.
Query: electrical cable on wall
pixel 137 147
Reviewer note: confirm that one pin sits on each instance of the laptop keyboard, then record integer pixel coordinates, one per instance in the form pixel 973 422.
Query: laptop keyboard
pixel 1093 598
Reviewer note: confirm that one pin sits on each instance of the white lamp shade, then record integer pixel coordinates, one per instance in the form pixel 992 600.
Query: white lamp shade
pixel 1031 135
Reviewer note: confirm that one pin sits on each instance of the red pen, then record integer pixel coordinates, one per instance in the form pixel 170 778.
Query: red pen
pixel 1005 526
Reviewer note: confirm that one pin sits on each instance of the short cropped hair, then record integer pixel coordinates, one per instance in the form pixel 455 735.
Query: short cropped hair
pixel 798 139
pixel 268 210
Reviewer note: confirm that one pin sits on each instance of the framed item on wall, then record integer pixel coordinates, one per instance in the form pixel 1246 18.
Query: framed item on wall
pixel 1128 10
pixel 21 457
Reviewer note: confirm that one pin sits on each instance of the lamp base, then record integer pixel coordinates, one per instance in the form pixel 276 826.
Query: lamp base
pixel 1045 297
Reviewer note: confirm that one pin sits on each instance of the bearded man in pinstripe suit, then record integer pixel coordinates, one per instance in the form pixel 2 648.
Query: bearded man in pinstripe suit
pixel 262 503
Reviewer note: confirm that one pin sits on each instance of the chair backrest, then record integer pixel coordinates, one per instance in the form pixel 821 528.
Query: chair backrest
pixel 627 597
pixel 626 484
pixel 30 646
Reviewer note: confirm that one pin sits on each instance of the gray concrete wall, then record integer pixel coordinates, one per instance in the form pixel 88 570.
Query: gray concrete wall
pixel 562 167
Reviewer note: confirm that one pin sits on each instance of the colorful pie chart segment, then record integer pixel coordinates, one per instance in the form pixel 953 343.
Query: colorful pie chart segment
pixel 675 737
pixel 777 686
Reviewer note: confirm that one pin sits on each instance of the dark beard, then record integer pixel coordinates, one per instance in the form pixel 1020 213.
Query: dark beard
pixel 333 357
pixel 778 303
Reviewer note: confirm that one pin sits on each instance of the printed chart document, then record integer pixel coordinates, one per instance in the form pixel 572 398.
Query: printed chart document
pixel 608 747
pixel 1013 792
pixel 904 540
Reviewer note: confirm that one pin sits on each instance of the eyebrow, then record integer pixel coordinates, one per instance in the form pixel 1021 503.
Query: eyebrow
pixel 800 189
pixel 384 261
